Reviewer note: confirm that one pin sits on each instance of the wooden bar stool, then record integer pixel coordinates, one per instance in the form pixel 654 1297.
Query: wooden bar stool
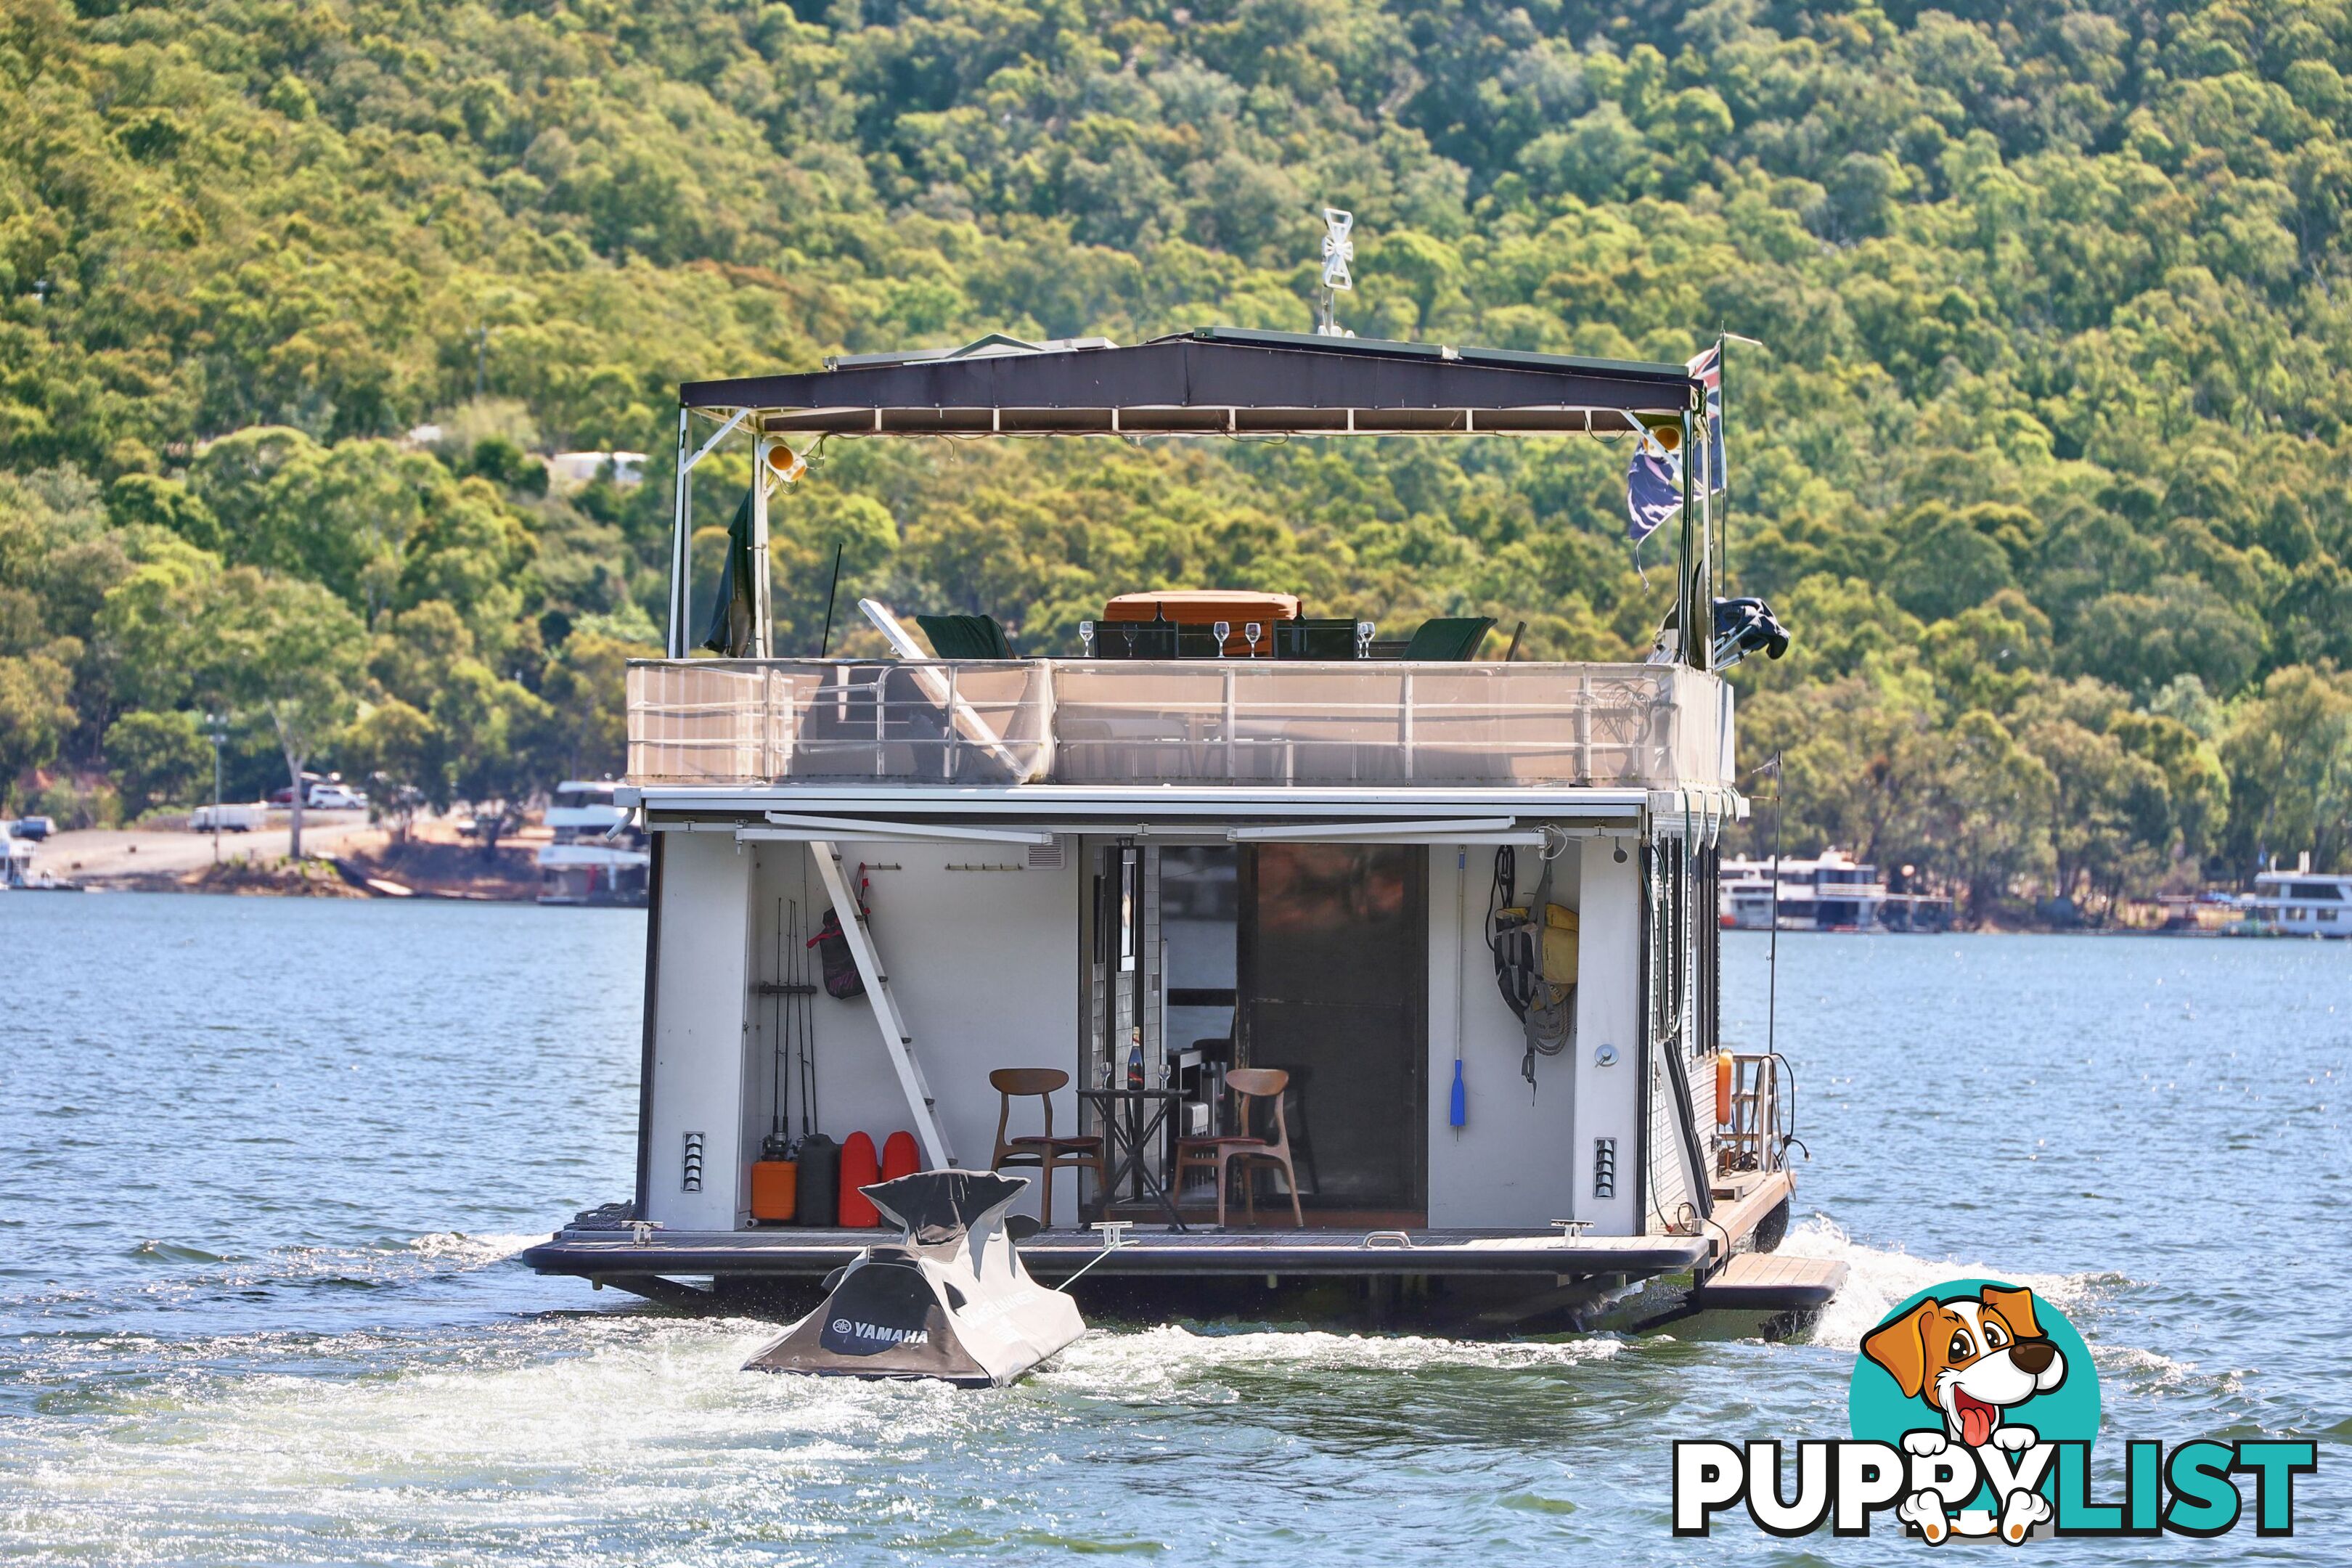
pixel 1049 1152
pixel 1242 1148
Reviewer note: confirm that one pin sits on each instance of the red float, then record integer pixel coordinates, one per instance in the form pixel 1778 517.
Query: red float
pixel 900 1156
pixel 858 1169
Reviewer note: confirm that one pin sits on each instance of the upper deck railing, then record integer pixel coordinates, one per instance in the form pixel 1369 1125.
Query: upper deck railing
pixel 1190 722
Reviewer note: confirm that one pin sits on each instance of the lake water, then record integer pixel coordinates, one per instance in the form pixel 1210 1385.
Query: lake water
pixel 264 1166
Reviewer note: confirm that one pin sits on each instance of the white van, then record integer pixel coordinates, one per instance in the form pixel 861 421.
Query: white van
pixel 228 818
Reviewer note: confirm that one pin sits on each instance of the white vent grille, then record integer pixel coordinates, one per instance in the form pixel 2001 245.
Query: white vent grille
pixel 1045 857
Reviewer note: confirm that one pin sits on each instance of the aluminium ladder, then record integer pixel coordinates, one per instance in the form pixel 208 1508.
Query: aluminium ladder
pixel 898 1042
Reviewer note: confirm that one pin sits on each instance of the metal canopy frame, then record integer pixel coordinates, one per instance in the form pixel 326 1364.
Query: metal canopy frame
pixel 1210 381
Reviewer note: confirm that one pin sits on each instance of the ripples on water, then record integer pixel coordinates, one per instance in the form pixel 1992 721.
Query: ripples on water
pixel 266 1164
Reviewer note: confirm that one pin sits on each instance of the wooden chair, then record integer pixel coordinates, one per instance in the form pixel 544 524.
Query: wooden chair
pixel 1049 1152
pixel 1241 1147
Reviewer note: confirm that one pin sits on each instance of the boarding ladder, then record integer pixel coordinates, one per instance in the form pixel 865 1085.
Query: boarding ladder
pixel 897 1041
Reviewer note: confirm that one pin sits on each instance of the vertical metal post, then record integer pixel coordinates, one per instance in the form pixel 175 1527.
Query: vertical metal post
pixel 953 756
pixel 1696 638
pixel 680 581
pixel 1723 422
pixel 1703 464
pixel 1584 727
pixel 1772 951
pixel 1404 720
pixel 763 634
pixel 215 732
pixel 1232 761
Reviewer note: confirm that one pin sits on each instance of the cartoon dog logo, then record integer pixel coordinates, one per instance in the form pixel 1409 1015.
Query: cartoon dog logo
pixel 1973 1359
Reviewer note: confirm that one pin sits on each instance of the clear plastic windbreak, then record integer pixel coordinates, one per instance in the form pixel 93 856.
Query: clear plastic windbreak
pixel 1175 723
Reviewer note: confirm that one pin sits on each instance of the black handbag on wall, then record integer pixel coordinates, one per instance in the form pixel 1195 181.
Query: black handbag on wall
pixel 841 976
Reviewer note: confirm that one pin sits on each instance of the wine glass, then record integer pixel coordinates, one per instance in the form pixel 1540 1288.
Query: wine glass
pixel 1223 630
pixel 1252 631
pixel 1087 637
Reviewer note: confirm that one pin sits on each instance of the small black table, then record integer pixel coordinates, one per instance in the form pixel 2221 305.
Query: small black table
pixel 1132 1119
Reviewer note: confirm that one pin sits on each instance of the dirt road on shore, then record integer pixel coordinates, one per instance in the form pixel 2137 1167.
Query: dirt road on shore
pixel 111 854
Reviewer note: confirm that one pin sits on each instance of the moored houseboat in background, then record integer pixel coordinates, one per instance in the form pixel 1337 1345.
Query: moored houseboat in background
pixel 597 854
pixel 2301 902
pixel 1425 939
pixel 1829 892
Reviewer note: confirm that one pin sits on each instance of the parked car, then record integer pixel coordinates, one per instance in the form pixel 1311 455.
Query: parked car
pixel 33 828
pixel 284 794
pixel 336 797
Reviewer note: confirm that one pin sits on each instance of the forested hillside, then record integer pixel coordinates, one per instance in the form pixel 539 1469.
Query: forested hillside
pixel 2044 459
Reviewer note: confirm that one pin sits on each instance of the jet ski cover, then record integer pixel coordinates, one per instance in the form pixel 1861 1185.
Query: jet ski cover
pixel 950 1301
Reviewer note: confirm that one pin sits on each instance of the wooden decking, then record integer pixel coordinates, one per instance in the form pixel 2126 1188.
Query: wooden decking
pixel 1742 1202
pixel 1768 1281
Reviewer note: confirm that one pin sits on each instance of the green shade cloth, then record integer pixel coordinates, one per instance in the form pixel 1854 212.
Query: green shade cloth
pixel 1455 639
pixel 965 637
pixel 732 616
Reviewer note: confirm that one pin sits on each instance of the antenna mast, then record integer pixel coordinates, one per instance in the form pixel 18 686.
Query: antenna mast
pixel 1339 250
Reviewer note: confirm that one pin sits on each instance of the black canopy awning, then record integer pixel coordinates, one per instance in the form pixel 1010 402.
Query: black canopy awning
pixel 1211 381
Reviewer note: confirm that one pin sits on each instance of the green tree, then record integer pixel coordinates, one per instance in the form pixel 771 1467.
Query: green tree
pixel 586 687
pixel 35 713
pixel 286 649
pixel 160 758
pixel 1992 805
pixel 2289 755
pixel 149 624
pixel 402 755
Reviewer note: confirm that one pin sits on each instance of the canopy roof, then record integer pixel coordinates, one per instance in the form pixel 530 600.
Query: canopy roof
pixel 1210 381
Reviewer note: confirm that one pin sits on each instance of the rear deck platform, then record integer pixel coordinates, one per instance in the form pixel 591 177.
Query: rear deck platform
pixel 1053 1254
pixel 1761 1280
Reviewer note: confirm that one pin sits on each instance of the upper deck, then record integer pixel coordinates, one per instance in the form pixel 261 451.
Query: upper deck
pixel 1386 724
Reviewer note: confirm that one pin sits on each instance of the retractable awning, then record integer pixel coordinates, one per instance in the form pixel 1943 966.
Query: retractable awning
pixel 1213 381
pixel 1021 814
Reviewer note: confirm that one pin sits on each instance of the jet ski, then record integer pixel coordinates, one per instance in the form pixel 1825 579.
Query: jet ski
pixel 949 1302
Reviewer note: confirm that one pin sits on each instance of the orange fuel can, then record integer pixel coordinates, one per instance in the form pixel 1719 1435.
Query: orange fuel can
pixel 776 1190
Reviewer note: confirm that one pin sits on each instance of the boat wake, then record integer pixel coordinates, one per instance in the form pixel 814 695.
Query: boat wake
pixel 1165 1361
pixel 183 1282
pixel 457 1248
pixel 1878 1278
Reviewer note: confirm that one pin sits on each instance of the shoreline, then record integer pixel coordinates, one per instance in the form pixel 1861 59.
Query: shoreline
pixel 345 857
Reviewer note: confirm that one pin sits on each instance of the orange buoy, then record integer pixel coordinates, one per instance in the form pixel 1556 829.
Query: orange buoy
pixel 1723 1089
pixel 858 1169
pixel 900 1156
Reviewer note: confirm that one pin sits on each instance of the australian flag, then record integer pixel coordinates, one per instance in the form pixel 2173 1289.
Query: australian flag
pixel 1706 369
pixel 1652 492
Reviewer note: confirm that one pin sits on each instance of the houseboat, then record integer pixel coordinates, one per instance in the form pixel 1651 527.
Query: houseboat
pixel 597 854
pixel 1830 891
pixel 1433 928
pixel 2301 902
pixel 16 859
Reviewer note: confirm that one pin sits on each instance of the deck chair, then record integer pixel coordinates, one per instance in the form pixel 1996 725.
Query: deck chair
pixel 1239 1147
pixel 1451 640
pixel 937 689
pixel 965 637
pixel 1047 1153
